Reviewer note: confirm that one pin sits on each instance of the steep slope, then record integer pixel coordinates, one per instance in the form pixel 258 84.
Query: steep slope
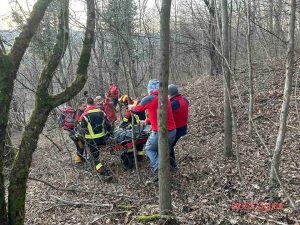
pixel 206 185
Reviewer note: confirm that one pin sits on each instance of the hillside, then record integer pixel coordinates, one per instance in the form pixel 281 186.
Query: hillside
pixel 206 184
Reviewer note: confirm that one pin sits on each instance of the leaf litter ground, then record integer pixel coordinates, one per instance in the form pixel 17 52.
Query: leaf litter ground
pixel 206 184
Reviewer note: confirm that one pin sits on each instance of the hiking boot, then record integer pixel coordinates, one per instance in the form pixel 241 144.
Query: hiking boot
pixel 101 170
pixel 77 159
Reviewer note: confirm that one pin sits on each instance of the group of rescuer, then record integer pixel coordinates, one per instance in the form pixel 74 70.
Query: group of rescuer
pixel 95 119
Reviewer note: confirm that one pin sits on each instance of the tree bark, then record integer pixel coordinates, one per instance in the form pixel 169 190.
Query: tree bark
pixel 9 65
pixel 273 48
pixel 286 96
pixel 165 205
pixel 214 57
pixel 278 19
pixel 227 91
pixel 44 104
pixel 250 113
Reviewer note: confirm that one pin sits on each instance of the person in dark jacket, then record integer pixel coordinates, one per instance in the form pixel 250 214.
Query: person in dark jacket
pixel 150 103
pixel 125 101
pixel 75 135
pixel 180 108
pixel 95 127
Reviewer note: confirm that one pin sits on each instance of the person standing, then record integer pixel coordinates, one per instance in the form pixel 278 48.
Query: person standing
pixel 95 126
pixel 180 108
pixel 150 103
pixel 114 94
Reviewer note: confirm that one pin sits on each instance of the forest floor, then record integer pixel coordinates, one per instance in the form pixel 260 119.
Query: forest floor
pixel 206 185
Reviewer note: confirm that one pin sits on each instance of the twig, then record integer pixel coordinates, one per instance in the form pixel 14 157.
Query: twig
pixel 46 136
pixel 270 220
pixel 79 191
pixel 76 203
pixel 277 125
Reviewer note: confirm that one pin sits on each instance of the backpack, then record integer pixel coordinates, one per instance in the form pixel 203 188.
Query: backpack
pixel 114 92
pixel 109 110
pixel 68 118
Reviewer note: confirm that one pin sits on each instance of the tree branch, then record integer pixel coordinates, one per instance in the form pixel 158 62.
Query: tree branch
pixel 83 63
pixel 22 41
pixel 76 203
pixel 58 50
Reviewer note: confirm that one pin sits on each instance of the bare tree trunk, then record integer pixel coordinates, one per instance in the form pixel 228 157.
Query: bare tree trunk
pixel 9 66
pixel 229 34
pixel 165 205
pixel 286 97
pixel 249 67
pixel 271 14
pixel 227 91
pixel 100 42
pixel 44 104
pixel 278 18
pixel 99 60
pixel 116 59
pixel 214 57
pixel 237 38
pixel 133 76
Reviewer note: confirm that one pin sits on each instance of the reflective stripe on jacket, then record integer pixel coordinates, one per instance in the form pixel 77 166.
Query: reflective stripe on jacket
pixel 93 122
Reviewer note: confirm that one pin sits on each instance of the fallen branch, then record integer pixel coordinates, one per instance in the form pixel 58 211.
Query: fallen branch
pixel 79 191
pixel 76 203
pixel 270 220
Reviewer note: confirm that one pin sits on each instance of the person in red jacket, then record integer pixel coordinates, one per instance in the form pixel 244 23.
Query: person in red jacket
pixel 150 103
pixel 180 108
pixel 113 93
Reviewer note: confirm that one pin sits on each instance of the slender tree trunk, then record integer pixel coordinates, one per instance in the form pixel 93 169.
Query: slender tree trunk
pixel 271 15
pixel 227 91
pixel 133 77
pixel 99 60
pixel 116 59
pixel 214 57
pixel 229 33
pixel 165 205
pixel 249 67
pixel 237 38
pixel 278 18
pixel 286 96
pixel 9 65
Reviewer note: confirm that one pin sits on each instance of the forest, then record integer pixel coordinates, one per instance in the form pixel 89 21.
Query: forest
pixel 149 112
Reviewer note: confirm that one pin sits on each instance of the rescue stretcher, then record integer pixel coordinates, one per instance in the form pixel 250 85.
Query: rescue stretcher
pixel 126 151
